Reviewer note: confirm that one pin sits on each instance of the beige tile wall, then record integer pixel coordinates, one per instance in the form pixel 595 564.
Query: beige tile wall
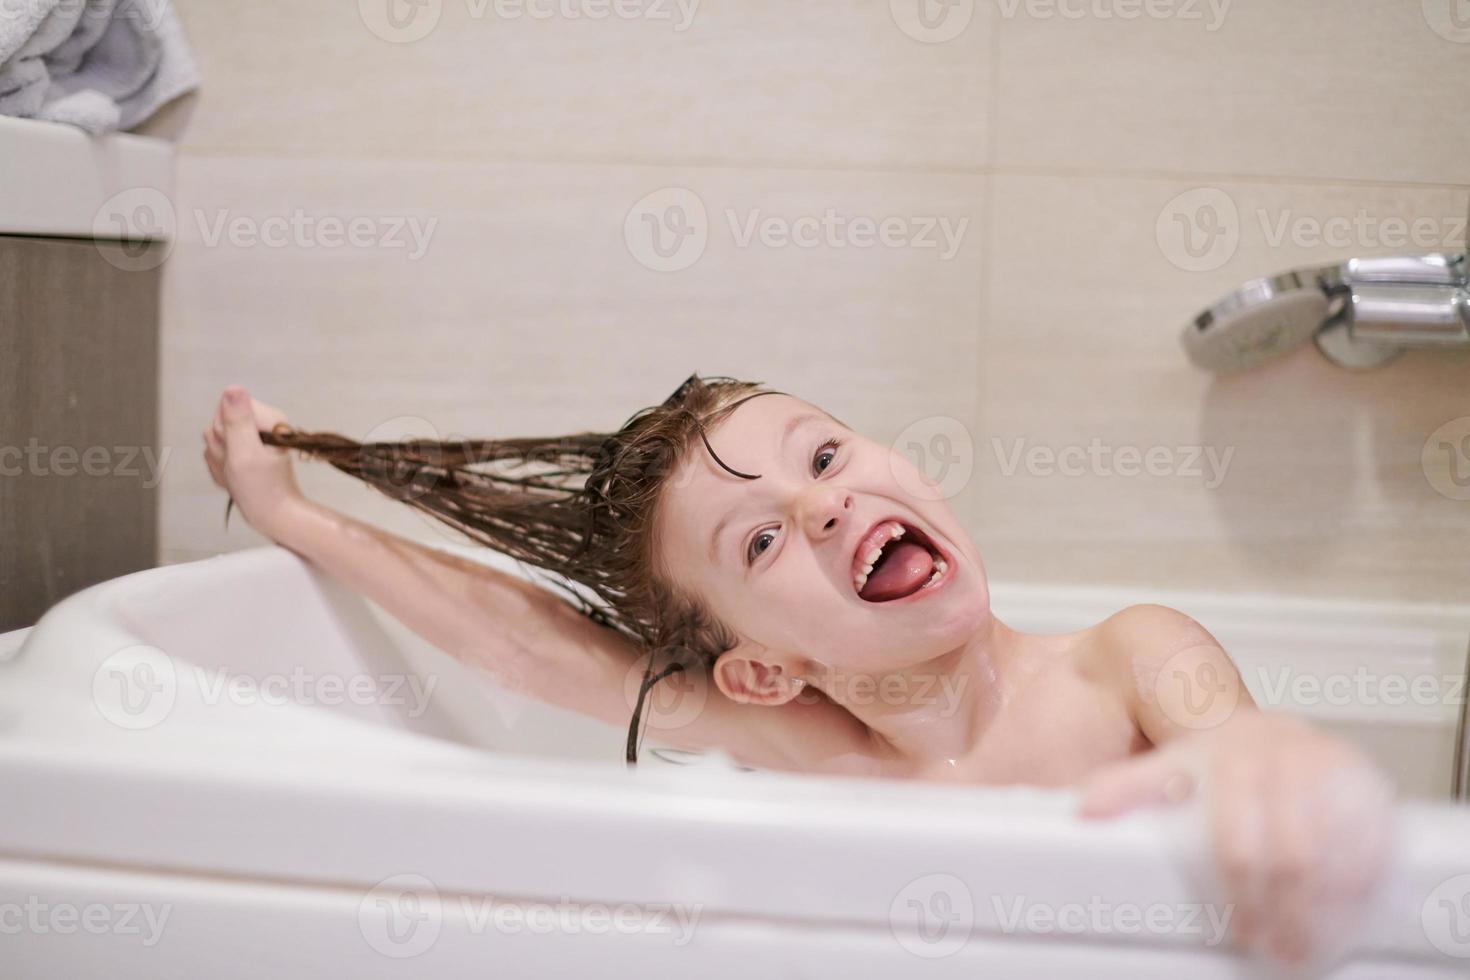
pixel 1054 147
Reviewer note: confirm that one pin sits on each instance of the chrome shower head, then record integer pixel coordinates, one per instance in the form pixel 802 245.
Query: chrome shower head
pixel 1263 319
pixel 1361 314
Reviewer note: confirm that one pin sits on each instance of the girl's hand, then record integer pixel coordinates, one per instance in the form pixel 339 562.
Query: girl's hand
pixel 1300 824
pixel 258 477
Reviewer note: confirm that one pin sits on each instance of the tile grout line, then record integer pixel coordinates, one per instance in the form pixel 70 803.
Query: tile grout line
pixel 988 169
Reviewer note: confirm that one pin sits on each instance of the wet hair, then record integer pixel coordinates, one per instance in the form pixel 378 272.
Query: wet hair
pixel 580 506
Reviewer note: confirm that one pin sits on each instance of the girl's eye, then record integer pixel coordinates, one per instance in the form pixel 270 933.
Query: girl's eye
pixel 827 451
pixel 754 551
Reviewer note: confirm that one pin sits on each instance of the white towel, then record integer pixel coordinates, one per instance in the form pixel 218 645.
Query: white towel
pixel 97 64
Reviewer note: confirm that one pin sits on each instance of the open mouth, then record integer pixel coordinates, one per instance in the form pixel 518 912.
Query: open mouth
pixel 895 560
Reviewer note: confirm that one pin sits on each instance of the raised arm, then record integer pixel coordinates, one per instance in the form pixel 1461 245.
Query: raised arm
pixel 1299 821
pixel 529 639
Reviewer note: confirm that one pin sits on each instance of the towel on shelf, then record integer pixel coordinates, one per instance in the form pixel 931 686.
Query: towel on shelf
pixel 100 65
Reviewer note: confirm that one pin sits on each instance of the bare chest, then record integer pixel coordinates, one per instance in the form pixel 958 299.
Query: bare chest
pixel 1054 733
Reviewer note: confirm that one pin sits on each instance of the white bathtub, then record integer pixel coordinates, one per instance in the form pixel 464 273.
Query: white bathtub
pixel 301 830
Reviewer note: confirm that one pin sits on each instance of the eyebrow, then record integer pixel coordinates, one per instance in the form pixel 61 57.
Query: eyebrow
pixel 792 424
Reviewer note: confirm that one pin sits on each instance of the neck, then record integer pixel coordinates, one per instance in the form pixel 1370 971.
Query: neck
pixel 939 709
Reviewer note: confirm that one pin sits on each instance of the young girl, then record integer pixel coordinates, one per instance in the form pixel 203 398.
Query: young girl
pixel 825 613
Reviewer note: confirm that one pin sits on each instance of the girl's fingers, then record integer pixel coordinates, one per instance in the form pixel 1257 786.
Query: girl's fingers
pixel 1156 779
pixel 240 432
pixel 213 467
pixel 1295 866
pixel 1236 832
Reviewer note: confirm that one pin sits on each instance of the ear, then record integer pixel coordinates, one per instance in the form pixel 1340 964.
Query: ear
pixel 751 674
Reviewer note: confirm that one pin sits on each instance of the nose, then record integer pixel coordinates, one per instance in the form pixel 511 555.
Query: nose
pixel 822 510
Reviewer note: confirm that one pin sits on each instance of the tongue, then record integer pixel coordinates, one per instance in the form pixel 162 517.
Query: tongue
pixel 903 567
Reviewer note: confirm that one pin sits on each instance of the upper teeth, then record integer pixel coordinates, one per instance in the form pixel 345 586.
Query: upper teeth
pixel 893 530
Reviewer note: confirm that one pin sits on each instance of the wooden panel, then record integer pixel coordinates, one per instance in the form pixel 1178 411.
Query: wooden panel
pixel 79 455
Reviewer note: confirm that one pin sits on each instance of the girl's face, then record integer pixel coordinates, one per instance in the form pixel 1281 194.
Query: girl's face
pixel 778 559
